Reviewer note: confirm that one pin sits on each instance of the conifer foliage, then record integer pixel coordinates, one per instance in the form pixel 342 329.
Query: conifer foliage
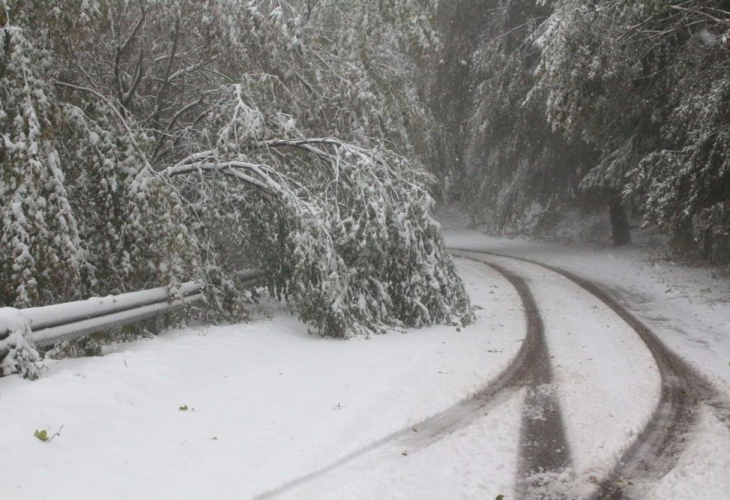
pixel 610 102
pixel 42 254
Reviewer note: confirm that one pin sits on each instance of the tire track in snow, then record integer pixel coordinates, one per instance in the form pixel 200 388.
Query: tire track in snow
pixel 543 447
pixel 658 447
pixel 544 450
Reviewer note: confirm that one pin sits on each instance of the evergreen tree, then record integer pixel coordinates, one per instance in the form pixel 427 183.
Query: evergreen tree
pixel 42 253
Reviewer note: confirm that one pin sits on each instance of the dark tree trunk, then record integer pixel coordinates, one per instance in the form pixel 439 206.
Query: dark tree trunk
pixel 619 223
pixel 707 244
pixel 683 239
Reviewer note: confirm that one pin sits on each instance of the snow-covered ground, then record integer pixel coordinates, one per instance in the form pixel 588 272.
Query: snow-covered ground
pixel 266 404
pixel 474 462
pixel 706 459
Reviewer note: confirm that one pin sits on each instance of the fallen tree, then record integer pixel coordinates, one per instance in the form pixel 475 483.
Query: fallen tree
pixel 343 231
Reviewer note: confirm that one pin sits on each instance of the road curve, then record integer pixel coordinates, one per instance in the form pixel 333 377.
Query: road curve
pixel 543 448
pixel 544 451
pixel 656 450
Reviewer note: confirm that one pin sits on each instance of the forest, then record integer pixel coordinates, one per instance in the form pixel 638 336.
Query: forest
pixel 152 142
pixel 609 105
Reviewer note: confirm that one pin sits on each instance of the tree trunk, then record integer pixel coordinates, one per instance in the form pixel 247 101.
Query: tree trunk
pixel 708 241
pixel 619 223
pixel 683 239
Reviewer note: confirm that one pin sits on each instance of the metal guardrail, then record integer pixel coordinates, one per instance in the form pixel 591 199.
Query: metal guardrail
pixel 51 324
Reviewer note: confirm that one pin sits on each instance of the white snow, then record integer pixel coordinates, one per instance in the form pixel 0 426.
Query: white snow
pixel 11 320
pixel 705 460
pixel 478 462
pixel 605 377
pixel 266 404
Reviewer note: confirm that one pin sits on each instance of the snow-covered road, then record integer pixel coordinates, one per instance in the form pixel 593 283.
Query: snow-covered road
pixel 430 414
pixel 683 451
pixel 604 376
pixel 628 411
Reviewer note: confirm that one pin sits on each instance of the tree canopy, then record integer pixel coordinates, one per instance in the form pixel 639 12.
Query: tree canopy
pixel 607 102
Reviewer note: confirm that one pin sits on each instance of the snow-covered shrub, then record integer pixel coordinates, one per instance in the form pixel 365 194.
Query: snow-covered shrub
pixel 17 353
pixel 78 348
pixel 372 256
pixel 494 140
pixel 82 212
pixel 132 221
pixel 686 183
pixel 646 83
